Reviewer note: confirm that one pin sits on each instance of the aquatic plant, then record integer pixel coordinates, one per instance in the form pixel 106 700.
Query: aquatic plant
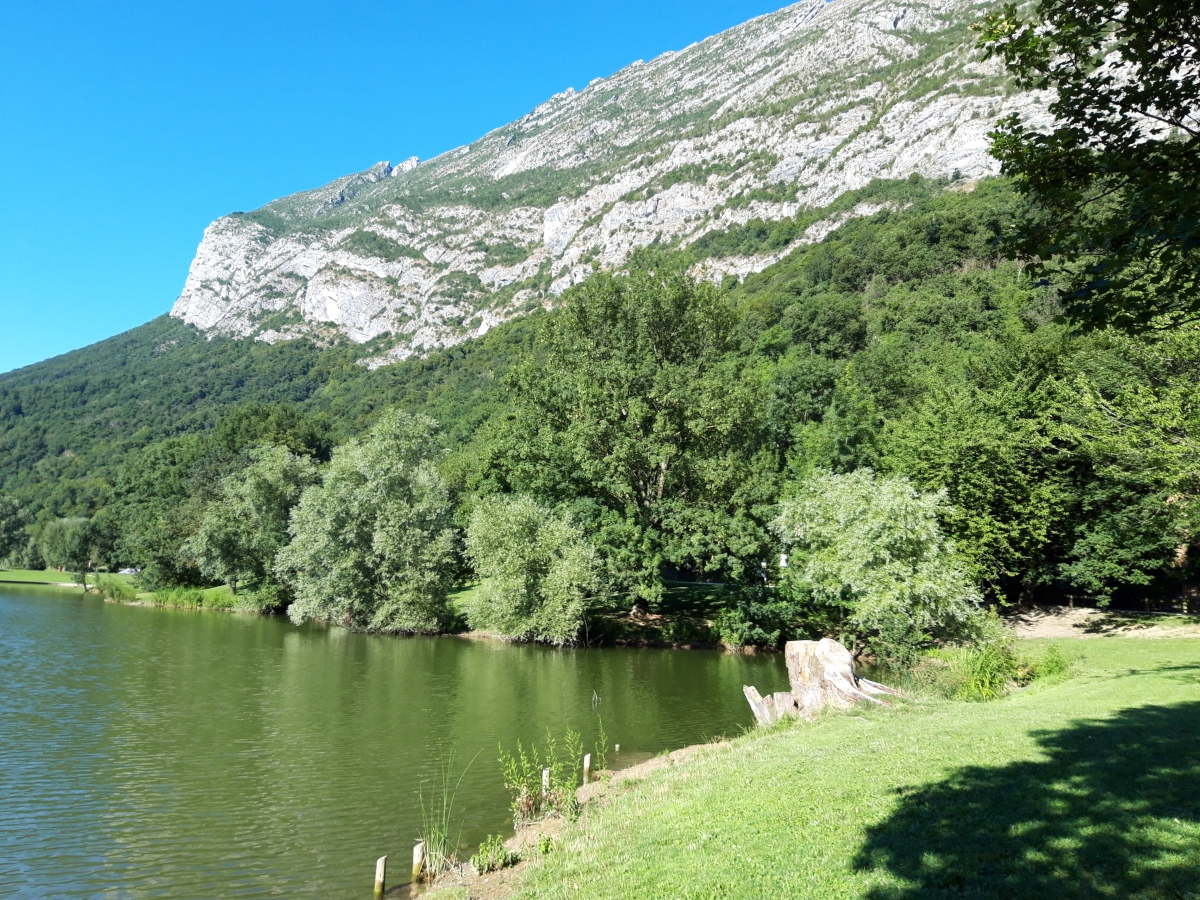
pixel 437 815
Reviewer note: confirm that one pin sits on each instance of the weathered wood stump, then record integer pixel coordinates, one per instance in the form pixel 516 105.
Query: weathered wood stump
pixel 821 674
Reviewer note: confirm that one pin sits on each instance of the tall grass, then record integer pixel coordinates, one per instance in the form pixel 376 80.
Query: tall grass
pixel 437 815
pixel 981 673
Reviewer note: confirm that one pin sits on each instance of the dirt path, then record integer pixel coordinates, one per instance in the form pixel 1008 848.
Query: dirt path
pixel 1074 622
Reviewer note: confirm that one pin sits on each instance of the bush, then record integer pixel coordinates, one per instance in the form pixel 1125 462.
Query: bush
pixel 116 590
pixel 755 619
pixel 267 598
pixel 687 631
pixel 981 673
pixel 187 598
pixel 493 855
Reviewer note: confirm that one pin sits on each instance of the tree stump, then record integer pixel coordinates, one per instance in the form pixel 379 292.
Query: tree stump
pixel 821 674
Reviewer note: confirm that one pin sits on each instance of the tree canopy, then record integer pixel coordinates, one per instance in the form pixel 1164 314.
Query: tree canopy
pixel 1114 185
pixel 371 544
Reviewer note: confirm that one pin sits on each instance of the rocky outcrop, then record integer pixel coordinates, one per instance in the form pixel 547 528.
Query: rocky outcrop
pixel 781 114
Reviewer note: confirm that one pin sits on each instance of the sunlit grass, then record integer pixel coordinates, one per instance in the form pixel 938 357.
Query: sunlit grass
pixel 1081 787
pixel 48 576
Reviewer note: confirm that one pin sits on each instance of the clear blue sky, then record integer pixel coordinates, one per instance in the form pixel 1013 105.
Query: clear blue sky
pixel 126 127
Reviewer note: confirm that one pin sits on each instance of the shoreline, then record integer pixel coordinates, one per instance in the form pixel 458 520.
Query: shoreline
pixel 644 830
pixel 1030 623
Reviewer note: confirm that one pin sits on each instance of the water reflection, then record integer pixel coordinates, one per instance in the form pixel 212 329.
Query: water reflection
pixel 153 752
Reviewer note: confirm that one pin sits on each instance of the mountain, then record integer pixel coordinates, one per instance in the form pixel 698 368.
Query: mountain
pixel 776 116
pixel 737 148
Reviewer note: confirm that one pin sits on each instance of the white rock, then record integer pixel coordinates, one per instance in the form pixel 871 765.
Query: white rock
pixel 737 112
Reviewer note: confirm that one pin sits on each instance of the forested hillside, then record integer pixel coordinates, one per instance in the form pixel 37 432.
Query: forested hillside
pixel 650 425
pixel 67 424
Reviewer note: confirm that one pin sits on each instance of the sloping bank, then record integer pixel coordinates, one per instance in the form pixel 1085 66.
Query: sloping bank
pixel 1083 788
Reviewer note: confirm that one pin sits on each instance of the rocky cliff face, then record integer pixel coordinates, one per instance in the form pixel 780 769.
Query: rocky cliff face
pixel 782 113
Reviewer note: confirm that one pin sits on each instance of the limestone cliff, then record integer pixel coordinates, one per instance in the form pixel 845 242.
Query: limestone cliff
pixel 782 113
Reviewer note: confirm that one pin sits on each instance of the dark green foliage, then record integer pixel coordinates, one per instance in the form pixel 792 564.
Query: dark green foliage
pixel 642 422
pixel 759 236
pixel 159 495
pixel 501 253
pixel 756 617
pixel 67 424
pixel 371 243
pixel 12 527
pixel 1115 186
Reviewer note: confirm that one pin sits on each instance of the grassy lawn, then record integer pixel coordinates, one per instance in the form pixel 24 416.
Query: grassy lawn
pixel 32 576
pixel 1089 787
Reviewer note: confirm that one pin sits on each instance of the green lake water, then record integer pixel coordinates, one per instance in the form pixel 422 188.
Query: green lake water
pixel 154 753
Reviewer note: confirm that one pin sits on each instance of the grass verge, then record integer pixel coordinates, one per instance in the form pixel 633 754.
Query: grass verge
pixel 1087 786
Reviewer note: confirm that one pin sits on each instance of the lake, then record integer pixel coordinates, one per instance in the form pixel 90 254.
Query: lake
pixel 156 752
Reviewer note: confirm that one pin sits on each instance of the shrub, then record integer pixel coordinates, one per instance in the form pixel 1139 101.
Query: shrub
pixel 188 598
pixel 265 598
pixel 687 631
pixel 116 590
pixel 755 619
pixel 980 673
pixel 493 855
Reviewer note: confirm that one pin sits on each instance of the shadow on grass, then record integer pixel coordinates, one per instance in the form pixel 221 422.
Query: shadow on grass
pixel 1112 811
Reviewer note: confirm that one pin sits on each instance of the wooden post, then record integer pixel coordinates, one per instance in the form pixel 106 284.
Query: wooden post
pixel 545 782
pixel 380 874
pixel 587 768
pixel 418 861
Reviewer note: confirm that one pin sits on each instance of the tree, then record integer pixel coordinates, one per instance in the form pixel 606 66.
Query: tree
pixel 372 546
pixel 1115 184
pixel 163 492
pixel 539 571
pixel 993 450
pixel 246 526
pixel 1139 422
pixel 70 543
pixel 635 415
pixel 12 527
pixel 869 550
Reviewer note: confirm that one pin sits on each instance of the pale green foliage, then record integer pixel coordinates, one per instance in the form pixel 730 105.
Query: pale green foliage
pixel 539 571
pixel 871 549
pixel 245 527
pixel 372 545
